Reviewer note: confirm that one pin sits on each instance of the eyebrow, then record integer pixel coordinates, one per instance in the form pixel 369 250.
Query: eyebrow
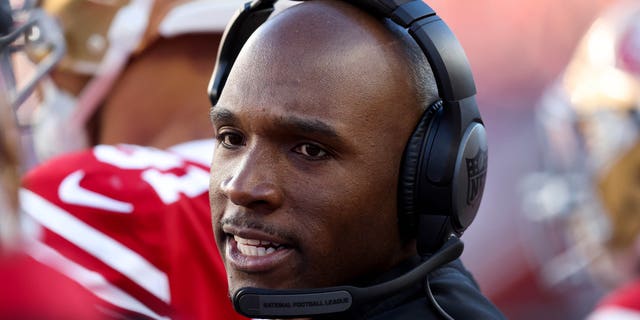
pixel 308 126
pixel 219 115
pixel 290 124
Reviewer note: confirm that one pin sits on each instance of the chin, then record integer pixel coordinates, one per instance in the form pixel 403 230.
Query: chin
pixel 240 280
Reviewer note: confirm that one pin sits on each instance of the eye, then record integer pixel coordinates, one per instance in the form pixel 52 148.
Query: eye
pixel 230 139
pixel 311 151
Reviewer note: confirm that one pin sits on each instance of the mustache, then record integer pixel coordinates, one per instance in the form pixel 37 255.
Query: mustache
pixel 243 222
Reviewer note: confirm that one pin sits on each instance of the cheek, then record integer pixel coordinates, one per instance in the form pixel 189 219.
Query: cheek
pixel 219 168
pixel 359 193
pixel 215 195
pixel 351 220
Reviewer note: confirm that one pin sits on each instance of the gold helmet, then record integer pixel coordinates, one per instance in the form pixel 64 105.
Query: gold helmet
pixel 102 36
pixel 588 192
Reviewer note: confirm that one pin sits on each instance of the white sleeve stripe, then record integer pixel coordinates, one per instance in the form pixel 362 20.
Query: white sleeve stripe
pixel 613 312
pixel 106 249
pixel 91 280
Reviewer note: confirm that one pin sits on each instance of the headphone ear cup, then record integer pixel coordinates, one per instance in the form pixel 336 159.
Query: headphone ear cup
pixel 410 171
pixel 441 179
pixel 469 176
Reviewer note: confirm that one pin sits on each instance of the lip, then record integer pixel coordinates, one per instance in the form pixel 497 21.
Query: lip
pixel 255 264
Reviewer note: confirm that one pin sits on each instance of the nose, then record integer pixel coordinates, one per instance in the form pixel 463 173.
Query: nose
pixel 253 183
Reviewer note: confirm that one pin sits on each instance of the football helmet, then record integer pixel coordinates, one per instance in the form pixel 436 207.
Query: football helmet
pixel 102 36
pixel 585 201
pixel 26 29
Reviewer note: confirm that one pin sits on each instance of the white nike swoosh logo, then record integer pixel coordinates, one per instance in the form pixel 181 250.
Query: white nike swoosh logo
pixel 71 192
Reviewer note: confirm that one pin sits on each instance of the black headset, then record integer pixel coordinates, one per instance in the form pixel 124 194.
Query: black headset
pixel 444 164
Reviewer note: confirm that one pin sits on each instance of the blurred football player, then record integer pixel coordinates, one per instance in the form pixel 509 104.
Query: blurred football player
pixel 30 289
pixel 590 122
pixel 131 221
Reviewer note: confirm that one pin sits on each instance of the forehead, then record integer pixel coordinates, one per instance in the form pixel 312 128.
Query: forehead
pixel 321 59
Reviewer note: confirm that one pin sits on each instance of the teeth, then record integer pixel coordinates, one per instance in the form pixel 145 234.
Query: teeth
pixel 254 242
pixel 253 247
pixel 251 242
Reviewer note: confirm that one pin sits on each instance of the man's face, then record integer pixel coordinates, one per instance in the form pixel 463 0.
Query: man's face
pixel 310 138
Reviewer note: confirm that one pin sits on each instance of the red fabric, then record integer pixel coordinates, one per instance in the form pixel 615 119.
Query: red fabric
pixel 627 297
pixel 31 290
pixel 169 225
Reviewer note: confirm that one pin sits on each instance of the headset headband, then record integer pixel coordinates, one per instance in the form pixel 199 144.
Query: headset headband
pixel 443 51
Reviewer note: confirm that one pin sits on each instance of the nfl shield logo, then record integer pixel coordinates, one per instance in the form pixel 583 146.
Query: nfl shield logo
pixel 477 171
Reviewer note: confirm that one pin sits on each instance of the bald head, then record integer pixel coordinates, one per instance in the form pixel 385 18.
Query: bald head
pixel 336 45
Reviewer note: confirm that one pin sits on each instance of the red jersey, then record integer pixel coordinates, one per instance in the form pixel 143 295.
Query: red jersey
pixel 621 304
pixel 132 224
pixel 31 290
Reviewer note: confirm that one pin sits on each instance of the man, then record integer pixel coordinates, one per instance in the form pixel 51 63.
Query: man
pixel 130 222
pixel 27 284
pixel 591 149
pixel 311 127
pixel 30 289
pixel 126 61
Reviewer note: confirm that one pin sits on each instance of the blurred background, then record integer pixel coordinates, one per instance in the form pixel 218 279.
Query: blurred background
pixel 516 50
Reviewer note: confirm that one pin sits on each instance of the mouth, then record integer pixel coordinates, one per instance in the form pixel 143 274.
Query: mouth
pixel 253 251
pixel 255 247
